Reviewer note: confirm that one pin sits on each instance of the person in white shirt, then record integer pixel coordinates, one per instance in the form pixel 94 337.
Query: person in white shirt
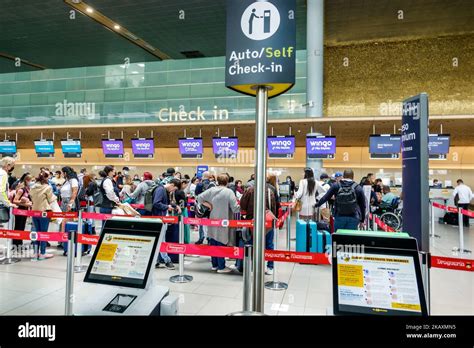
pixel 69 190
pixel 308 190
pixel 465 195
pixel 109 190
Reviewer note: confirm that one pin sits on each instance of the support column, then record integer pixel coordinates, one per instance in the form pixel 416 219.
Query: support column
pixel 315 68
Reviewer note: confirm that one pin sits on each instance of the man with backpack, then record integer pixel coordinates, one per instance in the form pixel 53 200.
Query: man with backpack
pixel 349 202
pixel 205 184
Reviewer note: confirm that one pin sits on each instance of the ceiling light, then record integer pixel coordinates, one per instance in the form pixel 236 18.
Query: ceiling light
pixel 90 10
pixel 116 27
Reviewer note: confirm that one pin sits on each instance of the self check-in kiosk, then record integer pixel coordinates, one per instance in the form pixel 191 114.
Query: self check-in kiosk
pixel 119 280
pixel 377 273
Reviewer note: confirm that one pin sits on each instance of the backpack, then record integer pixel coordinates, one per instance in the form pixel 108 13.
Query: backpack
pixel 346 200
pixel 149 197
pixel 81 193
pixel 207 185
pixel 100 198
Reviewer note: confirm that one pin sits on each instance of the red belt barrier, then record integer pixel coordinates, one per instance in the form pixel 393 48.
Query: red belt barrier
pixel 453 209
pixel 438 205
pixel 87 239
pixel 34 236
pixel 48 214
pixel 467 212
pixel 138 206
pixel 221 222
pixel 452 263
pixel 286 204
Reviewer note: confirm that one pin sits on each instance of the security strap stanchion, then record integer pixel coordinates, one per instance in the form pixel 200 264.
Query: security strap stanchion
pixel 181 277
pixel 275 285
pixel 460 249
pixel 288 229
pixel 70 273
pixel 247 293
pixel 374 222
pixel 432 210
pixel 8 260
pixel 78 268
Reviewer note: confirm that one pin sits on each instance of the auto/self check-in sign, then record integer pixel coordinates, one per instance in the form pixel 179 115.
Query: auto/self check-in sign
pixel 261 45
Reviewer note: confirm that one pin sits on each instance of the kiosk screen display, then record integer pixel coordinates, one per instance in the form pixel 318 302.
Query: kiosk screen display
pixel 71 148
pixel 387 146
pixel 281 146
pixel 112 148
pixel 225 147
pixel 373 283
pixel 7 147
pixel 122 258
pixel 320 147
pixel 190 147
pixel 143 148
pixel 438 146
pixel 44 148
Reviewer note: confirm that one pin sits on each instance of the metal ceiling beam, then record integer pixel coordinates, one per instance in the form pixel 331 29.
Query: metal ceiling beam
pixel 23 61
pixel 115 27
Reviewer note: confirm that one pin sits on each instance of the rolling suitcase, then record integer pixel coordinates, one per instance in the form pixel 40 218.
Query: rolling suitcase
pixel 87 228
pixel 306 236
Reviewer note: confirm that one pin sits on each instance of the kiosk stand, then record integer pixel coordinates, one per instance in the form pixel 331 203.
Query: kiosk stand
pixel 119 279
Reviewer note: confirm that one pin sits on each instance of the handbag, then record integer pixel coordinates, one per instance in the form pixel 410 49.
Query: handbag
pixel 4 213
pixel 298 205
pixel 269 216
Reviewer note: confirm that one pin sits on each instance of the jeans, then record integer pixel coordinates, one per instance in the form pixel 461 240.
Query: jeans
pixel 345 223
pixel 218 262
pixel 41 225
pixel 202 232
pixel 268 245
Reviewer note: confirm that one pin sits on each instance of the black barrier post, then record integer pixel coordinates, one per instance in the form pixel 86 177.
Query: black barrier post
pixel 8 260
pixel 181 277
pixel 247 289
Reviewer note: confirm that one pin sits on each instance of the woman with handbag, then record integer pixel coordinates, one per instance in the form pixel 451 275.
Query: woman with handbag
pixel 7 164
pixel 224 205
pixel 23 200
pixel 305 197
pixel 42 197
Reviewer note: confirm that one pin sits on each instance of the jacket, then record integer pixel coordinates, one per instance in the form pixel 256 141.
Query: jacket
pixel 359 213
pixel 247 202
pixel 42 196
pixel 160 201
pixel 203 186
pixel 308 201
pixel 4 188
pixel 140 191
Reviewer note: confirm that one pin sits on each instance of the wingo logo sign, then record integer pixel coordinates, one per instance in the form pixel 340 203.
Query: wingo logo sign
pixel 112 147
pixel 193 144
pixel 281 144
pixel 321 144
pixel 225 144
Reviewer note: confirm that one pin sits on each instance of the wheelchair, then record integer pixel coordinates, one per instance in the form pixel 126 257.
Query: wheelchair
pixel 391 215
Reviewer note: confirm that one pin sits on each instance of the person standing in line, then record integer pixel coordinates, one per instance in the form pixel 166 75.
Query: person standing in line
pixel 42 197
pixel 23 200
pixel 308 189
pixel 204 185
pixel 108 189
pixel 224 205
pixel 139 194
pixel 7 165
pixel 58 180
pixel 465 195
pixel 69 190
pixel 350 202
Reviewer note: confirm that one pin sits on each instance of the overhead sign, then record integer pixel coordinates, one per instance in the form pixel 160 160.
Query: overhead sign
pixel 438 146
pixel 190 147
pixel 44 148
pixel 7 147
pixel 281 146
pixel 386 146
pixel 261 45
pixel 112 148
pixel 415 169
pixel 320 146
pixel 143 147
pixel 71 148
pixel 225 147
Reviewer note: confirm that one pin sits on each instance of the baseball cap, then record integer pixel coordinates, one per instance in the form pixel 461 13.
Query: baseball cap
pixel 170 171
pixel 324 176
pixel 337 174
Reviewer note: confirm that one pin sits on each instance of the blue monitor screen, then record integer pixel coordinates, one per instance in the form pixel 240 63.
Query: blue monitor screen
pixel 71 148
pixel 439 144
pixel 8 147
pixel 385 144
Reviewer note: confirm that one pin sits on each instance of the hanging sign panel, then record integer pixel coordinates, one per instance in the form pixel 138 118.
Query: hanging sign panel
pixel 261 45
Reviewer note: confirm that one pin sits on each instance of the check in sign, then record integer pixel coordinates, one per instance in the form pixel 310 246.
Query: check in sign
pixel 261 45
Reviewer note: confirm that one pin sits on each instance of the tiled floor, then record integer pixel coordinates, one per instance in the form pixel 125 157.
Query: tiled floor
pixel 37 288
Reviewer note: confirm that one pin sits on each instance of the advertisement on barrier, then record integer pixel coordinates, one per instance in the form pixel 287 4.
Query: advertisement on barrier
pixel 112 148
pixel 143 147
pixel 225 147
pixel 261 45
pixel 438 146
pixel 415 169
pixel 44 148
pixel 7 148
pixel 281 146
pixel 320 146
pixel 384 146
pixel 71 148
pixel 190 147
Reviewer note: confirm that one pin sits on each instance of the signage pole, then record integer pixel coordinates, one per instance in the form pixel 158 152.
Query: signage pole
pixel 259 201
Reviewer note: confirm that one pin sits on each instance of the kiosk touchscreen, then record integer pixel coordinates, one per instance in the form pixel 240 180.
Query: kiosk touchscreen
pixel 381 277
pixel 120 274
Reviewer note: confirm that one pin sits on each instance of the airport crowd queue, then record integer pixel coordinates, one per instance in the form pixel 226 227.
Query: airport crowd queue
pixel 335 202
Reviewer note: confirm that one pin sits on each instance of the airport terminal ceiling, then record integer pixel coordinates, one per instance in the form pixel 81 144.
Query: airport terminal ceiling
pixel 42 32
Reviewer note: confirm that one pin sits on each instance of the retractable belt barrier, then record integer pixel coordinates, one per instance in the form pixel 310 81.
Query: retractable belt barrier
pixel 381 224
pixel 453 209
pixel 45 214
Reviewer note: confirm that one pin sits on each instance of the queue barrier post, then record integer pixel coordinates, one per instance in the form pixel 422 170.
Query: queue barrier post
pixel 374 222
pixel 288 229
pixel 275 285
pixel 78 267
pixel 460 249
pixel 247 295
pixel 70 273
pixel 8 260
pixel 432 211
pixel 181 277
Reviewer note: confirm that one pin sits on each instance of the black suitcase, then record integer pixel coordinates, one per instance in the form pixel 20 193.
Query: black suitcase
pixel 451 219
